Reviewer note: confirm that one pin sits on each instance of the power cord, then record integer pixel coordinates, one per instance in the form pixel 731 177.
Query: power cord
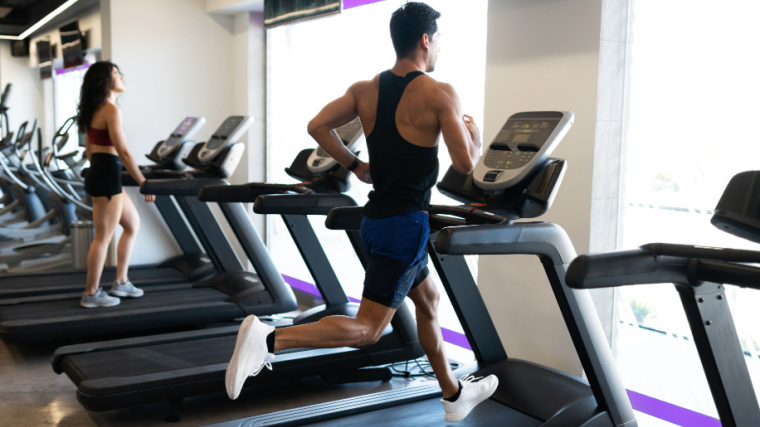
pixel 416 368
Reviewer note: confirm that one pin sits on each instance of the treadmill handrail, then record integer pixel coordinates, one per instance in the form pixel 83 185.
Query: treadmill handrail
pixel 177 187
pixel 725 273
pixel 345 218
pixel 301 204
pixel 628 267
pixel 349 218
pixel 663 263
pixel 247 193
pixel 528 238
pixel 704 252
pixel 470 215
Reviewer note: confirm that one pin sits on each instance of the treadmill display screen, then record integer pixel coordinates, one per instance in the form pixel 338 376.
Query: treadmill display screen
pixel 185 126
pixel 224 131
pixel 521 137
pixel 347 131
pixel 181 131
pixel 346 134
pixel 505 150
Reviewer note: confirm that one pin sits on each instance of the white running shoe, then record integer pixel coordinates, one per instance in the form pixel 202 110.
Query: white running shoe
pixel 473 392
pixel 250 356
pixel 99 299
pixel 126 289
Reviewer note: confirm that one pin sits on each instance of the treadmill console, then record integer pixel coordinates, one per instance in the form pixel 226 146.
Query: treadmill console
pixel 230 130
pixel 352 135
pixel 523 143
pixel 172 153
pixel 184 131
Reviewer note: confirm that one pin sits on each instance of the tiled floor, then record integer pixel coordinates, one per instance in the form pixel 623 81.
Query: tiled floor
pixel 31 394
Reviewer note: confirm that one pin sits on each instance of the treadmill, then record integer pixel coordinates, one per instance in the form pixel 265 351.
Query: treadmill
pixel 514 179
pixel 170 367
pixel 699 274
pixel 229 294
pixel 191 265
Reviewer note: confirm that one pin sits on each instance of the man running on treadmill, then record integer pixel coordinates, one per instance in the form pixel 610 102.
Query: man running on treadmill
pixel 403 112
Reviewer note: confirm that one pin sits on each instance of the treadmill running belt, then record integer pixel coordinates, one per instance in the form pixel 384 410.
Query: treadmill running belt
pixel 66 319
pixel 11 286
pixel 136 361
pixel 430 412
pixel 424 408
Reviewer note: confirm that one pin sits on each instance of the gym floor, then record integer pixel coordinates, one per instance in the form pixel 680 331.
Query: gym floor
pixel 31 394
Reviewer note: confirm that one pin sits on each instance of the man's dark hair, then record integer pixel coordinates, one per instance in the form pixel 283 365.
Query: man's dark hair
pixel 409 23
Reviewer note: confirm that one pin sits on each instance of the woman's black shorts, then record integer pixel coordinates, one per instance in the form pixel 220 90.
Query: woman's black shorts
pixel 103 178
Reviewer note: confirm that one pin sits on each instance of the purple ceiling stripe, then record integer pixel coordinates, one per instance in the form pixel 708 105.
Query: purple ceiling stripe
pixel 670 412
pixel 59 71
pixel 348 4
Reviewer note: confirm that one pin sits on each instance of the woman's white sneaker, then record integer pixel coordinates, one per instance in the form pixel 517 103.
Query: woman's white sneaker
pixel 474 391
pixel 250 355
pixel 126 289
pixel 99 299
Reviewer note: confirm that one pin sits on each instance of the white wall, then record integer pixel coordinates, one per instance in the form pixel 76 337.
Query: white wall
pixel 248 74
pixel 176 61
pixel 179 60
pixel 542 55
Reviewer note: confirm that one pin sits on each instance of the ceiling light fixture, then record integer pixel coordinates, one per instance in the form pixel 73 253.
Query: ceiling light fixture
pixel 41 22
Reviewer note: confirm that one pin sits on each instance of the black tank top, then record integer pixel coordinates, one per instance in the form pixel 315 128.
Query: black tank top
pixel 402 173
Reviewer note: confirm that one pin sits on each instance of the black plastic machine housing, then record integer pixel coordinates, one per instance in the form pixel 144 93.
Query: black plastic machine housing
pixel 700 275
pixel 528 394
pixel 228 294
pixel 199 358
pixel 738 211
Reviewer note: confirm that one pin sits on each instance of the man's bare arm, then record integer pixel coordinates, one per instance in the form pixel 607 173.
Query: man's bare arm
pixel 460 133
pixel 322 128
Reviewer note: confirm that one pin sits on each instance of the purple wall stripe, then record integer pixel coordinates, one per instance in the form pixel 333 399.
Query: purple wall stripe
pixel 455 338
pixel 300 285
pixel 670 412
pixel 449 336
pixel 348 4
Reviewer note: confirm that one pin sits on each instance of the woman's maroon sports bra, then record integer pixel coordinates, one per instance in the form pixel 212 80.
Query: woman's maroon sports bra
pixel 99 137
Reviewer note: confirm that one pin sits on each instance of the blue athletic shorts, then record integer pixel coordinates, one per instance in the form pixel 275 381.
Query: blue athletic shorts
pixel 397 248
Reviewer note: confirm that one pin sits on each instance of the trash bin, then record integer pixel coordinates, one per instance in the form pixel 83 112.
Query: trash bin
pixel 82 233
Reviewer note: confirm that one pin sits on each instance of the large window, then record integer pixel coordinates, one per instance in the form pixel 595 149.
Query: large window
pixel 67 85
pixel 314 62
pixel 693 102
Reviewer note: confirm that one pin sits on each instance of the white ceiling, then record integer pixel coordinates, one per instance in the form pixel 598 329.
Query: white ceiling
pixel 234 6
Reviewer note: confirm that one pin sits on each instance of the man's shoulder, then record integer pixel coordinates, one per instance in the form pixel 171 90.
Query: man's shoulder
pixel 364 85
pixel 436 90
pixel 440 87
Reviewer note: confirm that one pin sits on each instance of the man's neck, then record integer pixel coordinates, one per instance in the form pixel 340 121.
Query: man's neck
pixel 405 66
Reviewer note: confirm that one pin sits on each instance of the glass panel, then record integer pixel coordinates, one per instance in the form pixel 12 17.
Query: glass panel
pixel 67 86
pixel 693 100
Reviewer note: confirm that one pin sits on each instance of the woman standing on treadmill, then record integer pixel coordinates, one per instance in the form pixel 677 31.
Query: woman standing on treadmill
pixel 106 149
